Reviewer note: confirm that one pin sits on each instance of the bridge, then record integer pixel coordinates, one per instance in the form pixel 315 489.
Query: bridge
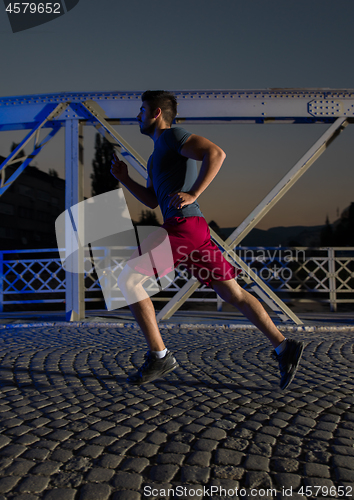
pixel 106 110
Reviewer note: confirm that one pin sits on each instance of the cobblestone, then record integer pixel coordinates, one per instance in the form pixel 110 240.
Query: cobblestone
pixel 228 457
pixel 135 464
pixel 170 458
pixel 163 472
pixel 33 484
pixel 258 480
pixel 99 475
pixel 199 475
pixel 72 429
pixel 60 494
pixel 256 462
pixel 288 481
pixel 127 481
pixel 94 491
pixel 7 483
pixel 316 470
pixel 284 465
pixel 228 472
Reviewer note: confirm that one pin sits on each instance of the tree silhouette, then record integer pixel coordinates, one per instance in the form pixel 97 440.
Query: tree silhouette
pixel 102 179
pixel 215 227
pixel 344 233
pixel 20 153
pixel 327 237
pixel 351 225
pixel 148 218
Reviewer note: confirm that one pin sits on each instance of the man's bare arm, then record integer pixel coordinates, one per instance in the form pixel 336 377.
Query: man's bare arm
pixel 212 157
pixel 144 194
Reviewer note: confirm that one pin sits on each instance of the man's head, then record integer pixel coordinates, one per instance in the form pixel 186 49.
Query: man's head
pixel 160 99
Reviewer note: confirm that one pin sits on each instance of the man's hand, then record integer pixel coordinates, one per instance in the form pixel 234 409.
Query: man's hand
pixel 119 169
pixel 181 199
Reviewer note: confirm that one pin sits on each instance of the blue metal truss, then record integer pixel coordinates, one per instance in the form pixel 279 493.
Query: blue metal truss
pixel 106 109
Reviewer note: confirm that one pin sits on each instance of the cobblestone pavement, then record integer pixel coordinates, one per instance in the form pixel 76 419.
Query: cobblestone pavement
pixel 72 428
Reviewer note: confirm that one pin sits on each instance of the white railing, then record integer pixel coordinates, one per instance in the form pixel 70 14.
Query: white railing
pixel 306 274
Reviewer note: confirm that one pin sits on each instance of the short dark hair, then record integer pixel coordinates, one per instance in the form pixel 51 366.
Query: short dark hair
pixel 163 100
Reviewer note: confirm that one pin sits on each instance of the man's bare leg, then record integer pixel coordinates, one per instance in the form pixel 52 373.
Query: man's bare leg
pixel 291 350
pixel 131 284
pixel 144 313
pixel 158 361
pixel 231 292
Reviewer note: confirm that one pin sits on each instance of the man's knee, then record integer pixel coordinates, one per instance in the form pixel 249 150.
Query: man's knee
pixel 129 279
pixel 229 290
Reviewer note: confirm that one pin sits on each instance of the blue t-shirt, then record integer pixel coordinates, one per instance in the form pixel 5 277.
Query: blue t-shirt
pixel 170 172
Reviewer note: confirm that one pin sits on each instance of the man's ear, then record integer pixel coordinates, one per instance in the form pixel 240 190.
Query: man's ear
pixel 158 113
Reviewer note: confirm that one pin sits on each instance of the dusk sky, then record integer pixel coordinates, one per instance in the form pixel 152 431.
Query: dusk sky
pixel 202 44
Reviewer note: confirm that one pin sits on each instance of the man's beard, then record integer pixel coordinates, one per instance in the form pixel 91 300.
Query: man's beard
pixel 147 129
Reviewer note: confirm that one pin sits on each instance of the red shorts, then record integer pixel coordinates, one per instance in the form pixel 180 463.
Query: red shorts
pixel 192 248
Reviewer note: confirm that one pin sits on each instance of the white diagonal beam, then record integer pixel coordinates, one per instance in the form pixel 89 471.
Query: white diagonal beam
pixel 26 160
pixel 287 182
pixel 126 150
pixel 261 210
pixel 34 133
pixel 258 286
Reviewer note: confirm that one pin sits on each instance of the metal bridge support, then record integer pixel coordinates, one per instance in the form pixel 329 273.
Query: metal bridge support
pixel 74 194
pixel 105 109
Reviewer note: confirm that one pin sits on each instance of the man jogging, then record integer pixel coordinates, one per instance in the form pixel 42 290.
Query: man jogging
pixel 174 185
